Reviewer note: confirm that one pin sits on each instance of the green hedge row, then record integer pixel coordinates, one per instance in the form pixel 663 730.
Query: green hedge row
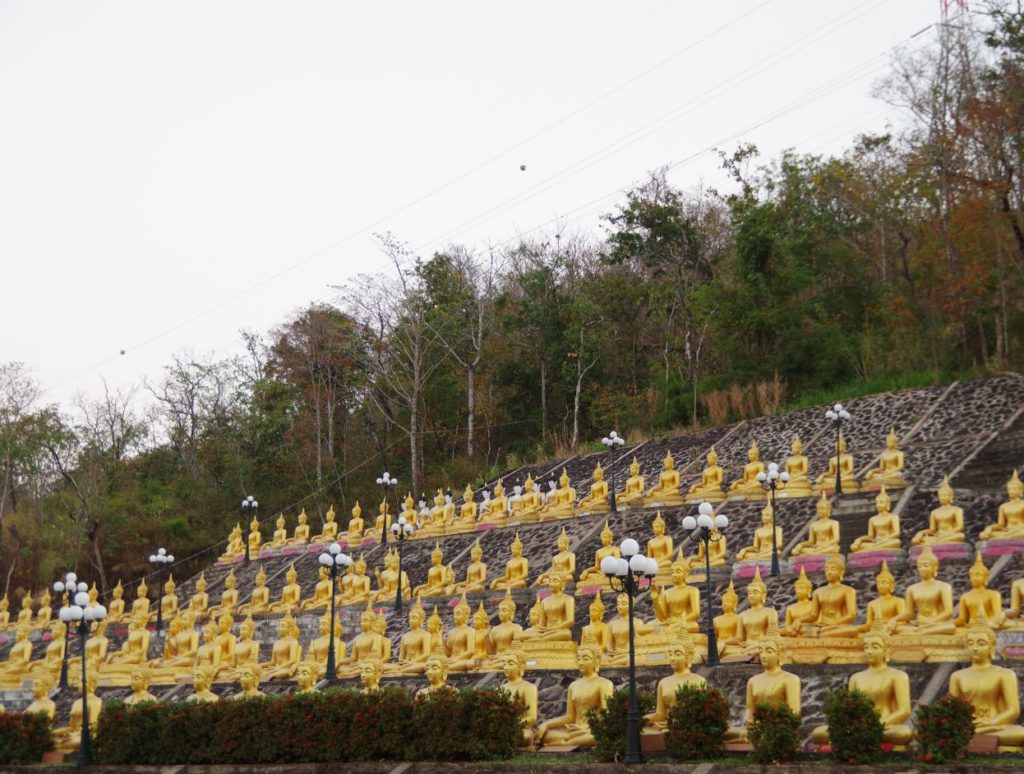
pixel 334 725
pixel 24 738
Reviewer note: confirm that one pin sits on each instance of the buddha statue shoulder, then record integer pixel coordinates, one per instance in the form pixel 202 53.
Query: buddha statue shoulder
pixel 632 494
pixel 748 485
pixel 883 528
pixel 1010 519
pixel 797 466
pixel 822 534
pixel 945 523
pixel 710 485
pixel 666 491
pixel 992 690
pixel 588 691
pixel 597 500
pixel 889 472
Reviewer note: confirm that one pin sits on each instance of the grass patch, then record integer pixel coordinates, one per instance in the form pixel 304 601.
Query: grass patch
pixel 879 384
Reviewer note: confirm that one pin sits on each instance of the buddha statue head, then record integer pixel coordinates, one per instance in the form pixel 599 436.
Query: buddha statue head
pixel 325 625
pixel 730 599
pixel 499 489
pixel 658 525
pixel 360 566
pixel 476 552
pixel 4 604
pixel 884 581
pixel 367 617
pixel 209 633
pixel 291 574
pixel 1014 487
pixel 439 499
pixel 772 650
pixel 841 443
pixel 460 614
pixel 588 655
pixel 882 501
pixel 712 458
pixel 261 577
pixel 517 546
pixel 280 521
pixel 201 679
pixel 305 676
pixel 58 630
pixel 184 619
pixel 230 581
pixel 44 601
pixel 803 586
pixel 680 649
pixel 797 447
pixel 599 473
pixel 140 678
pixel 94 592
pixel 670 463
pixel 978 573
pixel 835 568
pixel 436 667
pixel 254 525
pixel 824 508
pixel 303 517
pixel 563 541
pixel 622 606
pixel 597 610
pixel 563 480
pixel 756 590
pixel 767 515
pixel 513 662
pixel 507 607
pixel 634 467
pixel 877 646
pixel 119 589
pixel 434 624
pixel 606 535
pixel 891 440
pixel 330 516
pixel 528 484
pixel 200 583
pixel 370 671
pixel 680 569
pixel 285 627
pixel 927 564
pixel 556 582
pixel 325 574
pixel 41 686
pixel 480 618
pixel 534 614
pixel 417 614
pixel 436 555
pixel 143 590
pixel 753 454
pixel 468 494
pixel 247 630
pixel 169 586
pixel 981 644
pixel 26 601
pixel 249 678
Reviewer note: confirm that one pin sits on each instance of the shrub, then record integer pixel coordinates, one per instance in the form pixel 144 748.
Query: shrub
pixel 855 729
pixel 608 723
pixel 944 729
pixel 697 723
pixel 24 738
pixel 773 733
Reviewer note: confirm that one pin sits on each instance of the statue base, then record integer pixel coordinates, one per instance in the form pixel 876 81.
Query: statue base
pixel 652 741
pixel 739 497
pixel 809 564
pixel 711 497
pixel 595 509
pixel 930 649
pixel 487 526
pixel 457 528
pixel 1010 644
pixel 550 654
pixel 591 588
pixel 652 650
pixel 699 574
pixel 556 516
pixel 868 559
pixel 827 650
pixel 665 502
pixel 749 568
pixel 946 552
pixel 876 486
pixel 829 489
pixel 1001 546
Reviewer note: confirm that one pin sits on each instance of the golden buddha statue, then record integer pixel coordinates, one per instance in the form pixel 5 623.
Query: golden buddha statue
pixel 280 533
pixel 502 635
pixel 800 609
pixel 436 671
pixel 597 500
pixel 945 523
pixel 887 687
pixel 482 627
pixel 618 632
pixel 563 562
pixel 748 485
pixel 557 614
pixel 561 503
pixel 593 575
pixel 822 534
pixel 381 524
pixel 27 612
pixel 97 645
pixel 169 601
pixel 434 525
pixel 890 466
pixel 754 623
pixel 69 739
pixel 247 650
pixel 761 548
pixel 980 604
pixel 329 533
pixel 660 546
pixel 883 528
pixel 929 603
pixel 680 658
pixel 632 494
pixel 20 656
pixel 666 491
pixel 53 656
pixel 833 606
pixel 467 514
pixel 436 584
pixel 496 509
pixel 380 625
pixel 1010 520
pixel 370 671
pixel 201 681
pixel 435 628
pixel 200 601
pixel 368 643
pixel 134 650
pixel 255 537
pixel 5 615
pixel 228 598
pixel 140 679
pixel 727 624
pixel 409 510
pixel 226 641
pixel 173 630
pixel 517 569
pixel 717 548
pixel 301 535
pixel 799 484
pixel 526 505
pixel 141 604
pixel 306 677
pixel 992 691
pixel 679 605
pixel 710 485
pixel 476 572
pixel 588 691
pixel 249 682
pixel 597 628
pixel 513 664
pixel 415 646
pixel 358 591
pixel 885 606
pixel 236 545
pixel 259 602
pixel 387 581
pixel 1016 601
pixel 286 654
pixel 45 612
pixel 460 644
pixel 208 652
pixel 827 481
pixel 354 532
pixel 319 648
pixel 291 594
pixel 42 703
pixel 322 591
pixel 772 686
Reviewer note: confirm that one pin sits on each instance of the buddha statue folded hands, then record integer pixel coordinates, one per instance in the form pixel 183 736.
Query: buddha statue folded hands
pixel 890 466
pixel 1010 519
pixel 748 485
pixel 666 491
pixel 709 487
pixel 597 500
pixel 945 523
pixel 883 528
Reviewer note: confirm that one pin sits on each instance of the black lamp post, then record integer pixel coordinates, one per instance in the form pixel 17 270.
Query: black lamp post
pixel 837 415
pixel 624 576
pixel 770 482
pixel 81 613
pixel 385 482
pixel 704 524
pixel 161 559
pixel 611 443
pixel 333 558
pixel 249 504
pixel 66 588
pixel 401 529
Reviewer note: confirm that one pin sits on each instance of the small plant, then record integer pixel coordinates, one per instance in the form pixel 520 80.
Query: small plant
pixel 855 729
pixel 774 733
pixel 608 724
pixel 944 729
pixel 24 738
pixel 697 723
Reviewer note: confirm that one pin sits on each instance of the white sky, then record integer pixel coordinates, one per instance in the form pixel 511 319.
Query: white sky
pixel 173 172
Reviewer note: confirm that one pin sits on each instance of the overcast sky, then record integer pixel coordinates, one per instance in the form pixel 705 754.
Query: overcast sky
pixel 173 172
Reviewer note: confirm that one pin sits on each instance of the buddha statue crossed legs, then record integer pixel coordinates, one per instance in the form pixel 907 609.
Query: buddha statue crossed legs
pixel 992 691
pixel 666 491
pixel 1010 520
pixel 632 495
pixel 588 691
pixel 772 686
pixel 597 500
pixel 890 466
pixel 945 523
pixel 929 603
pixel 883 528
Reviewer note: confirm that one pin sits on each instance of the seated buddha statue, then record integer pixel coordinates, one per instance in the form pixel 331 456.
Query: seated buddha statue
pixel 436 672
pixel 597 500
pixel 929 603
pixel 208 652
pixel 433 526
pixel 280 537
pixel 98 644
pixel 249 683
pixel 945 523
pixel 727 624
pixel 561 503
pixel 755 622
pixel 513 665
pixel 890 466
pixel 26 614
pixel 822 534
pixel 717 548
pixel 594 575
pixel 228 598
pixel 329 533
pixel 236 545
pixel 173 630
pixel 617 647
pixel 382 524
pixel 291 593
pixel 202 679
pixel 747 484
pixel 588 691
pixel 5 615
pixel 680 658
pixel 666 491
pixel 887 687
pixel 255 537
pixel 354 531
pixel 460 644
pixel 710 485
pixel 679 605
pixel 286 653
pixel 761 548
pixel 496 511
pixel 380 625
pixel 415 645
pixel 15 668
pixel 597 628
pixel 319 648
pixel 801 608
pixel 476 572
pixel 563 562
pixel 435 628
pixel 827 481
pixel 301 535
pixel 481 624
pixel 436 584
pixel 632 494
pixel 506 631
pixel 42 704
pixel 980 604
pixel 833 606
pixel 141 604
pixel 259 602
pixel 557 614
pixel 992 691
pixel 135 649
pixel 358 591
pixel 69 739
pixel 409 512
pixel 200 601
pixel 885 606
pixel 525 506
pixel 247 650
pixel 1010 520
pixel 772 686
pixel 799 484
pixel 466 522
pixel 169 601
pixel 387 581
pixel 517 569
pixel 660 547
pixel 883 528
pixel 321 598
pixel 368 643
pixel 226 640
pixel 53 656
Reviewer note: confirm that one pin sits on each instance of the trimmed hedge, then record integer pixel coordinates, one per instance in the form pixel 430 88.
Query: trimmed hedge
pixel 24 738
pixel 333 725
pixel 697 723
pixel 774 733
pixel 944 729
pixel 608 723
pixel 856 731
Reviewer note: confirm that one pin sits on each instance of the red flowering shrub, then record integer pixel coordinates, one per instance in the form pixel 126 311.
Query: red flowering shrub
pixel 855 728
pixel 774 733
pixel 609 724
pixel 697 723
pixel 944 729
pixel 24 738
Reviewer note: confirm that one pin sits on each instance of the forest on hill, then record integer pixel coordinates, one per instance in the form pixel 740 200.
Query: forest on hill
pixel 896 263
